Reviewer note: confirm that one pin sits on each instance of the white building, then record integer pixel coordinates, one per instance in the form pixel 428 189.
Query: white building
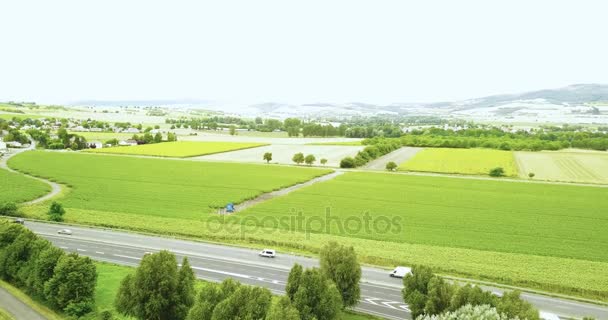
pixel 3 147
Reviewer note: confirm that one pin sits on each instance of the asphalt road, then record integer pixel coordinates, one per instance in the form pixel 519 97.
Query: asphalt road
pixel 380 294
pixel 17 308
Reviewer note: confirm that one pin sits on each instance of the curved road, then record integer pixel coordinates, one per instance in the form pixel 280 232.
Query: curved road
pixel 380 294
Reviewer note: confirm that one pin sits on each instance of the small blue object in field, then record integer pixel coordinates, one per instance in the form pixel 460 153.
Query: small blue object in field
pixel 230 207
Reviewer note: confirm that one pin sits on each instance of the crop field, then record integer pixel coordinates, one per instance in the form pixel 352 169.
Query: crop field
pixel 585 167
pixel 283 153
pixel 18 188
pixel 462 161
pixel 179 149
pixel 156 187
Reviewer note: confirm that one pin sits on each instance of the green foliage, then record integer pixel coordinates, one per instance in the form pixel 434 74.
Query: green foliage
pixel 9 209
pixel 497 172
pixel 531 175
pixel 323 161
pixel 283 309
pixel 157 290
pixel 339 263
pixel 439 296
pixel 72 287
pixel 391 166
pixel 310 159
pixel 512 305
pixel 268 157
pixel 293 281
pixel 298 158
pixel 56 212
pixel 317 297
pixel 175 149
pixel 469 312
pixel 472 295
pixel 347 162
pixel 416 288
pixel 245 303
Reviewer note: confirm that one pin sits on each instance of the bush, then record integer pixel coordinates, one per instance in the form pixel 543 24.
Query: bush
pixel 497 172
pixel 347 162
pixel 9 209
pixel 56 212
pixel 391 166
pixel 79 309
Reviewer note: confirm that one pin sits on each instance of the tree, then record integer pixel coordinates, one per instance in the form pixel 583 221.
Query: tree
pixel 56 212
pixel 232 130
pixel 512 305
pixel 323 161
pixel 439 296
pixel 310 159
pixel 391 166
pixel 531 175
pixel 472 295
pixel 415 289
pixel 9 209
pixel 317 297
pixel 158 137
pixel 283 309
pixel 339 263
pixel 245 303
pixel 497 172
pixel 469 312
pixel 347 162
pixel 171 137
pixel 72 286
pixel 268 157
pixel 157 290
pixel 293 280
pixel 298 158
pixel 209 297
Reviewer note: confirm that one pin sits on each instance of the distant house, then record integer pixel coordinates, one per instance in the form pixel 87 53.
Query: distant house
pixel 129 142
pixel 131 130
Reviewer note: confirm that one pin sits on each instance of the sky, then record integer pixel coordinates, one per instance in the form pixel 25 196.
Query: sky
pixel 297 51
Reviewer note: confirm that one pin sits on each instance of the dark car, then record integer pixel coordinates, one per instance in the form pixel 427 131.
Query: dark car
pixel 19 221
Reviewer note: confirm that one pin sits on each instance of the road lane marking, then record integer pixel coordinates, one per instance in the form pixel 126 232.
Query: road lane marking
pixel 127 257
pixel 99 252
pixel 81 250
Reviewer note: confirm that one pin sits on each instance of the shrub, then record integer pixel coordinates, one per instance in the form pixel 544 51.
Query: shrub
pixel 391 166
pixel 9 209
pixel 347 162
pixel 497 172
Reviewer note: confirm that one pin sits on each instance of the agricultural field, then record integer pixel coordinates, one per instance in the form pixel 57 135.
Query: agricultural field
pixel 567 166
pixel 283 153
pixel 179 149
pixel 104 136
pixel 18 188
pixel 461 161
pixel 156 187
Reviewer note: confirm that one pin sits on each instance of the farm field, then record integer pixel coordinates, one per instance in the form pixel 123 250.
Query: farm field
pixel 178 149
pixel 18 188
pixel 103 136
pixel 573 166
pixel 156 187
pixel 283 153
pixel 462 161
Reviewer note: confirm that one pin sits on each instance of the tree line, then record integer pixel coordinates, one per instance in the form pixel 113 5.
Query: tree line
pixel 65 282
pixel 373 151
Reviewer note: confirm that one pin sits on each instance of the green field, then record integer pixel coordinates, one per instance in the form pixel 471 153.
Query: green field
pixel 18 188
pixel 179 149
pixel 156 187
pixel 581 166
pixel 10 116
pixel 462 161
pixel 103 136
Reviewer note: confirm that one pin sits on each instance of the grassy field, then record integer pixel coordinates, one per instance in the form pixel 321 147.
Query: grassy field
pixel 10 116
pixel 18 188
pixel 179 149
pixel 582 166
pixel 463 161
pixel 4 315
pixel 156 187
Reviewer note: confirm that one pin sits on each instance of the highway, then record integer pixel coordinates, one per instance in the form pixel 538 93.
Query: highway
pixel 380 294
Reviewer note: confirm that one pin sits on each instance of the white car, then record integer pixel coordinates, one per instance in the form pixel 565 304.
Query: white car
pixel 548 316
pixel 267 253
pixel 65 231
pixel 400 272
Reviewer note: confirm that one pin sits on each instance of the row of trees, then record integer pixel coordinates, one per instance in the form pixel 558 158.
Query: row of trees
pixel 159 289
pixel 379 148
pixel 65 282
pixel 428 294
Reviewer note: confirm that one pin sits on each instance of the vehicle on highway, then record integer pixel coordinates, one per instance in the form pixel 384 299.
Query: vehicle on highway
pixel 19 221
pixel 267 253
pixel 548 316
pixel 400 272
pixel 65 231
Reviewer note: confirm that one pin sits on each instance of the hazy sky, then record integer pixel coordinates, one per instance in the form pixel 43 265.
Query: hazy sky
pixel 297 51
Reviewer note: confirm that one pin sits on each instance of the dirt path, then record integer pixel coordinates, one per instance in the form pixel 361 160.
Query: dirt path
pixel 398 156
pixel 55 187
pixel 284 191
